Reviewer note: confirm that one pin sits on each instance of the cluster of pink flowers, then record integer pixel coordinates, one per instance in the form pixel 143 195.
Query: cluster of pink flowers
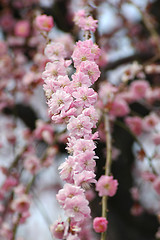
pixel 72 102
pixel 86 23
pixel 15 199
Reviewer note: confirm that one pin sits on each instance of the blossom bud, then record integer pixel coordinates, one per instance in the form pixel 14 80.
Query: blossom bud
pixel 44 22
pixel 100 224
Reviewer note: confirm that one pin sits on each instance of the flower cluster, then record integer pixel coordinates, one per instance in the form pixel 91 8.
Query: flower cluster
pixel 86 23
pixel 72 102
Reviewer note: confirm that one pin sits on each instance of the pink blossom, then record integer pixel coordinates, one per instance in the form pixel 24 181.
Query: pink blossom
pixel 77 208
pixel 31 78
pixel 67 169
pixel 106 186
pixel 9 183
pixel 84 178
pixel 54 51
pixel 78 16
pixel 64 116
pixel 92 113
pixel 70 144
pixel 100 224
pixel 49 87
pixel 54 70
pixel 44 22
pixel 152 95
pixel 21 204
pixel 6 231
pixel 135 124
pixel 82 54
pixel 80 126
pixel 88 24
pixel 22 28
pixel 86 161
pixel 68 191
pixel 82 145
pixel 139 88
pixel 32 164
pixel 80 79
pixel 63 82
pixel 119 108
pixel 68 43
pixel 85 97
pixel 44 131
pixel 58 229
pixel 150 121
pixel 91 69
pixel 59 101
pixel 88 44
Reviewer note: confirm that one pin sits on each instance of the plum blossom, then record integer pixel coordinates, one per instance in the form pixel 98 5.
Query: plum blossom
pixel 67 169
pixel 84 178
pixel 32 164
pixel 79 126
pixel 139 89
pixel 77 208
pixel 68 191
pixel 22 28
pixel 55 51
pixel 54 69
pixel 91 69
pixel 135 124
pixel 100 224
pixel 44 22
pixel 119 108
pixel 57 229
pixel 84 22
pixel 150 121
pixel 21 204
pixel 80 80
pixel 85 97
pixel 106 186
pixel 59 101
